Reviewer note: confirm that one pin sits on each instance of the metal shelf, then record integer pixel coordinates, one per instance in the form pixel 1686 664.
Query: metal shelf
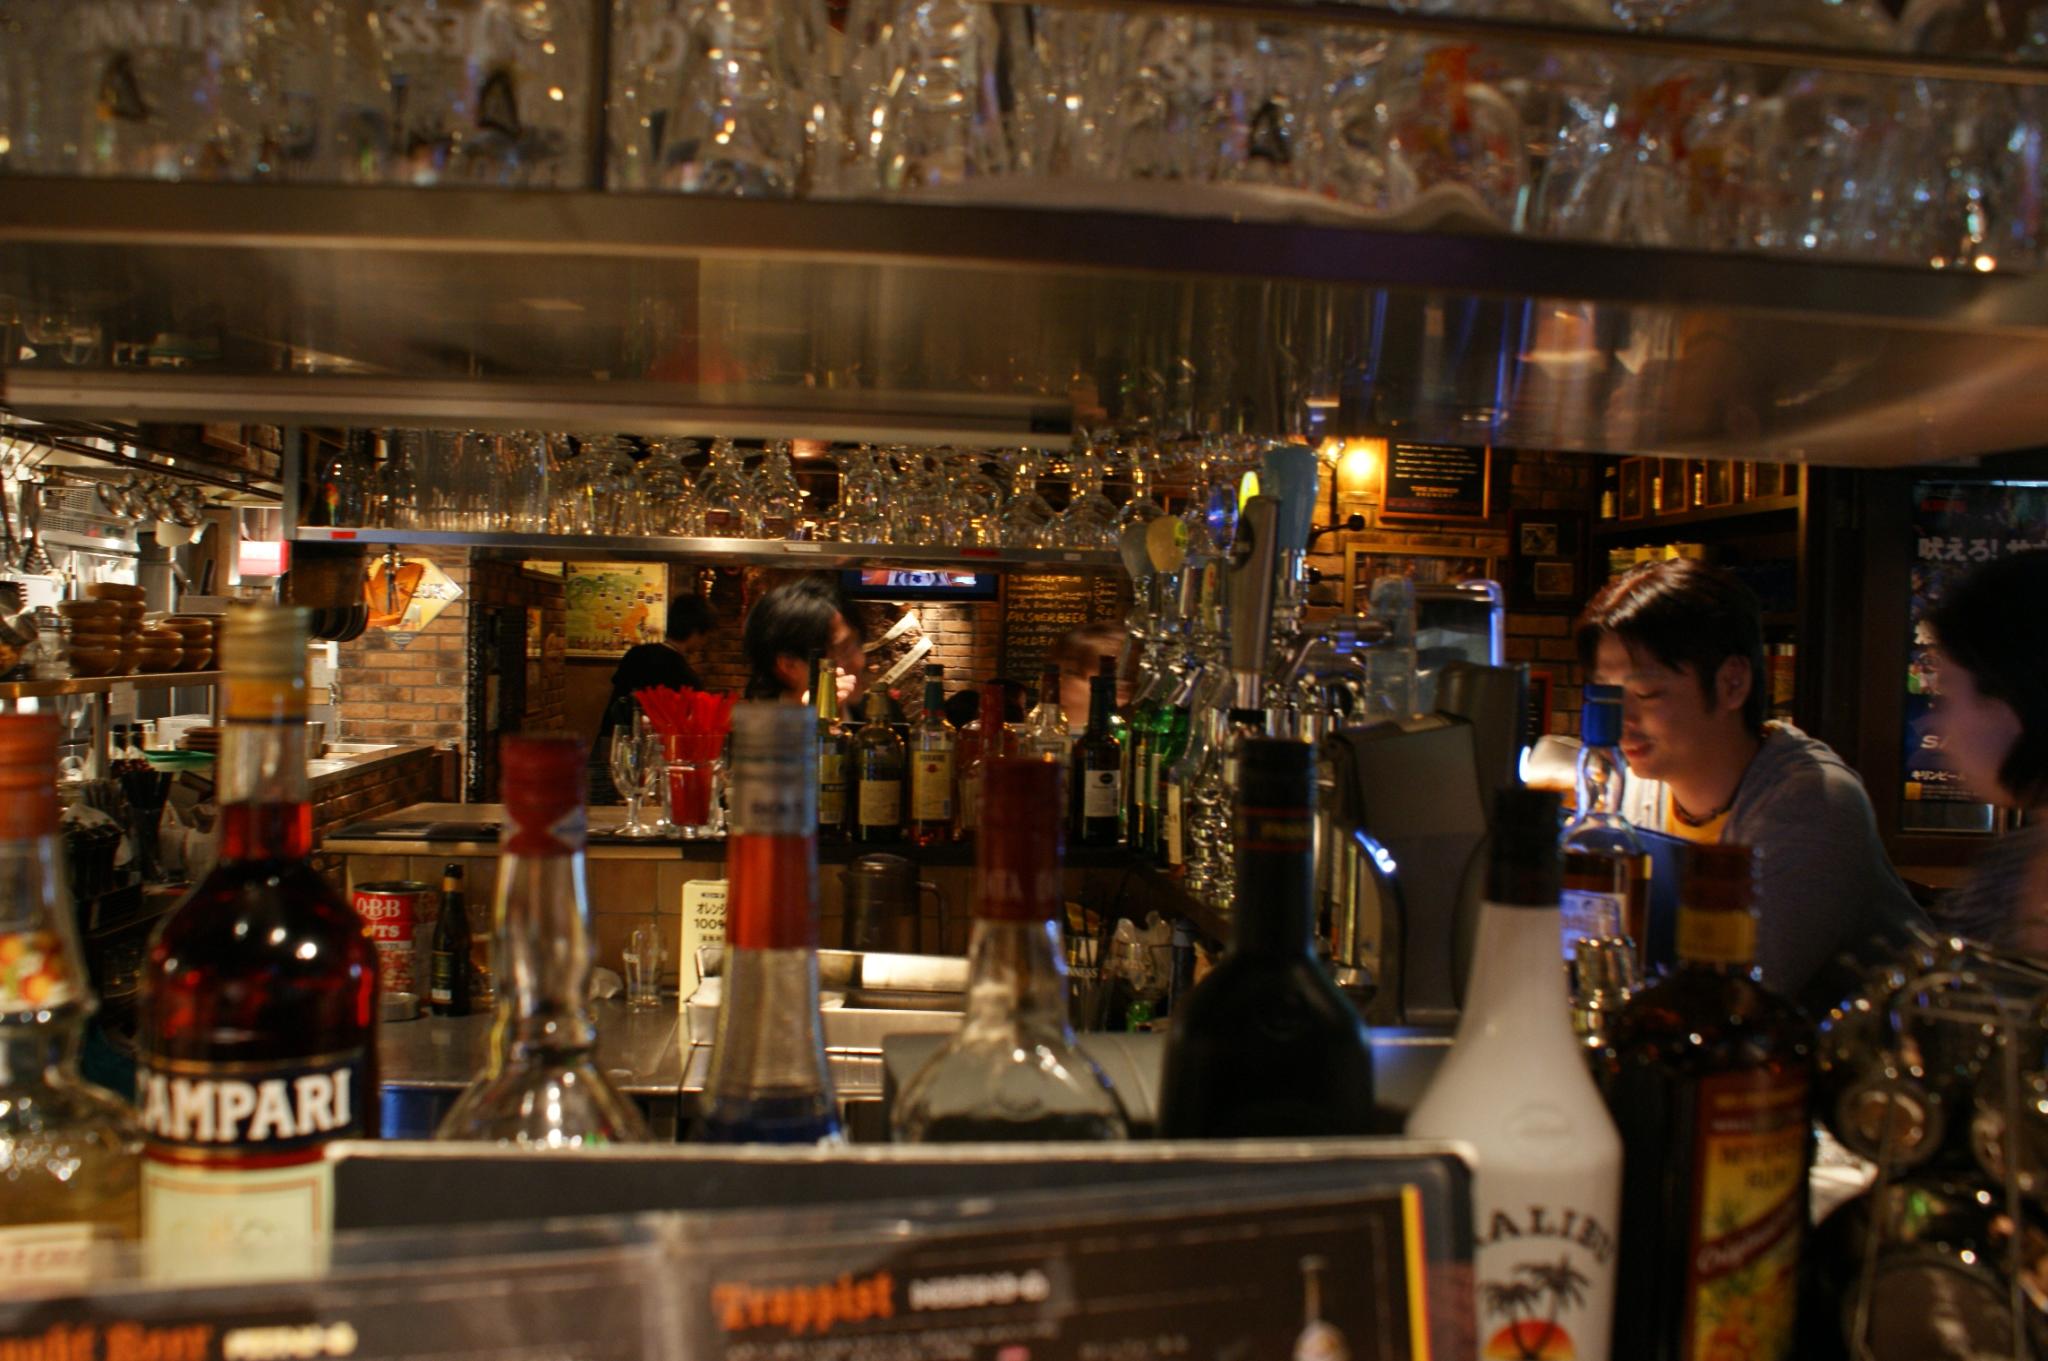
pixel 101 685
pixel 764 552
pixel 932 322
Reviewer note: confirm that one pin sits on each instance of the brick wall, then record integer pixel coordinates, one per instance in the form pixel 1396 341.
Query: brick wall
pixel 1530 480
pixel 382 787
pixel 415 692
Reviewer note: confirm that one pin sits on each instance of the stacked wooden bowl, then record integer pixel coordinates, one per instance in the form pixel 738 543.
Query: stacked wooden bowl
pixel 106 629
pixel 198 637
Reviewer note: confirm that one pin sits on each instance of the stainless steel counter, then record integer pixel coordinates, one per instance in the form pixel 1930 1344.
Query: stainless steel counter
pixel 637 1050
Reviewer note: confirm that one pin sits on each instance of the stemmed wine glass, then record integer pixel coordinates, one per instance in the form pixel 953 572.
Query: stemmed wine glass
pixel 638 763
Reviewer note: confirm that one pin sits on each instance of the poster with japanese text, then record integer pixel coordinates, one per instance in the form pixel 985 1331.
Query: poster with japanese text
pixel 1956 526
pixel 614 605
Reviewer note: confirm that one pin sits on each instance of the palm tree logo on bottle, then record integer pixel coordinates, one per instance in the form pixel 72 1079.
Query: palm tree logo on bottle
pixel 1525 1337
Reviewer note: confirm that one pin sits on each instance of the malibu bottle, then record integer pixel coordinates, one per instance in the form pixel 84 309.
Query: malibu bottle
pixel 1546 1188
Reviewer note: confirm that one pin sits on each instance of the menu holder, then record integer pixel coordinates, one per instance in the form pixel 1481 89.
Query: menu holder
pixel 1359 1248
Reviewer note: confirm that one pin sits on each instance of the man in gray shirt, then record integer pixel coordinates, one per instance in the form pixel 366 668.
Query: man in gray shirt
pixel 1685 643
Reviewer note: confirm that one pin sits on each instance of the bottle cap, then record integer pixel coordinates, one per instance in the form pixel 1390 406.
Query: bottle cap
pixel 542 778
pixel 934 671
pixel 1525 869
pixel 1600 716
pixel 1716 906
pixel 774 786
pixel 28 776
pixel 1018 850
pixel 263 653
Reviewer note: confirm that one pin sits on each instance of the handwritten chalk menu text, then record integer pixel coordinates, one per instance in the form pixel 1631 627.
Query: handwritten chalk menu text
pixel 1040 608
pixel 1436 482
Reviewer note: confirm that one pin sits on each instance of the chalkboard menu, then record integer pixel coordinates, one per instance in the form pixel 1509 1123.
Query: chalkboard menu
pixel 1040 608
pixel 1436 482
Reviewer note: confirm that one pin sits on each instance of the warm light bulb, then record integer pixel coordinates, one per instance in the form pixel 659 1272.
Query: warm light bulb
pixel 1358 467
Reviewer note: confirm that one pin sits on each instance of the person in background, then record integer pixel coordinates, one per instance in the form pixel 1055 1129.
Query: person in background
pixel 670 662
pixel 1685 643
pixel 1079 657
pixel 1990 685
pixel 791 624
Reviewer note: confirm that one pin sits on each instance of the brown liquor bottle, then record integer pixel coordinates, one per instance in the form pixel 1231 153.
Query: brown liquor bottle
pixel 257 1043
pixel 1709 1082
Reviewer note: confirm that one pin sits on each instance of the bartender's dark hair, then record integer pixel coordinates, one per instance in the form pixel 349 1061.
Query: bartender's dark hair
pixel 1985 625
pixel 1687 615
pixel 793 620
pixel 688 616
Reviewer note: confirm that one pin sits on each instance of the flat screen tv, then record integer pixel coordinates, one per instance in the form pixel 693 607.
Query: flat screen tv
pixel 917 583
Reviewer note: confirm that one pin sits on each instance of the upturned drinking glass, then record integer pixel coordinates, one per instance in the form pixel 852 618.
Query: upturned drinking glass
pixel 487 92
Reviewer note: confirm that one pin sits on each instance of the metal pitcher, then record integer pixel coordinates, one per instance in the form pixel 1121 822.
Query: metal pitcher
pixel 884 907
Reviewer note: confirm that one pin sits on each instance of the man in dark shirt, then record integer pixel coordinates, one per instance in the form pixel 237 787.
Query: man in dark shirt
pixel 668 662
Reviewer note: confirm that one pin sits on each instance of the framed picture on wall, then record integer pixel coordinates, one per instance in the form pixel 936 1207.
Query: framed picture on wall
pixel 614 605
pixel 1547 557
pixel 1424 566
pixel 1634 491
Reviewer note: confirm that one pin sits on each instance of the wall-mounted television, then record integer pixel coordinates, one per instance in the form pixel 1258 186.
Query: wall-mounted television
pixel 916 583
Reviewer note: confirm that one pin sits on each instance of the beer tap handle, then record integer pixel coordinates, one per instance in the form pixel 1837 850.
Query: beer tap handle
pixel 1254 563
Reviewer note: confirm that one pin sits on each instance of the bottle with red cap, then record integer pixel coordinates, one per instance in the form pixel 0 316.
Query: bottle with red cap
pixel 540 1086
pixel 1015 1071
pixel 257 1037
pixel 68 1150
pixel 768 1081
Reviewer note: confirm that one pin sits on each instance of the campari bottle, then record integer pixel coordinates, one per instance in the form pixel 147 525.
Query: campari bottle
pixel 257 1043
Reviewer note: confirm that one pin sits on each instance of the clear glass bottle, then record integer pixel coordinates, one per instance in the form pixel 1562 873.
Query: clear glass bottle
pixel 1047 733
pixel 259 994
pixel 1319 1339
pixel 540 1086
pixel 1266 1046
pixel 1711 1083
pixel 1606 871
pixel 835 753
pixel 932 771
pixel 768 1081
pixel 1015 1071
pixel 69 1151
pixel 878 763
pixel 1515 1087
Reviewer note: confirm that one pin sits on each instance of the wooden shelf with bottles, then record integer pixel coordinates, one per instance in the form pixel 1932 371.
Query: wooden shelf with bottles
pixel 1738 517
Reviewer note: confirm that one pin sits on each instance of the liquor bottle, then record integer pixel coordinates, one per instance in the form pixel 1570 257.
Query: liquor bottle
pixel 768 1081
pixel 1546 1188
pixel 1319 1339
pixel 1047 736
pixel 1014 1072
pixel 835 753
pixel 1141 732
pixel 1097 803
pixel 877 781
pixel 540 1086
pixel 931 765
pixel 257 1043
pixel 1606 871
pixel 1710 1083
pixel 448 959
pixel 69 1151
pixel 991 741
pixel 1266 1046
pixel 1171 732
